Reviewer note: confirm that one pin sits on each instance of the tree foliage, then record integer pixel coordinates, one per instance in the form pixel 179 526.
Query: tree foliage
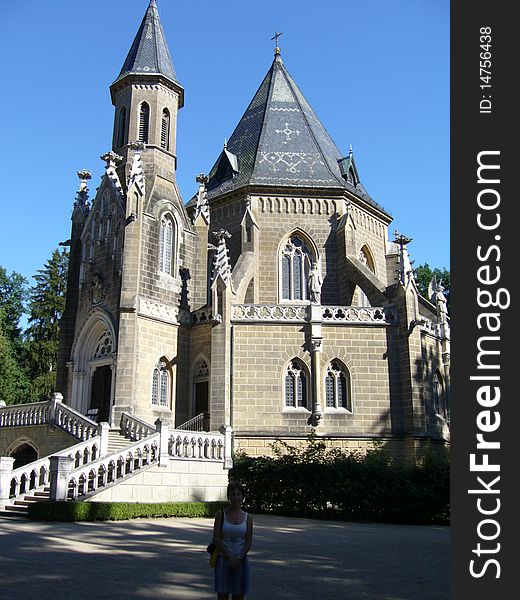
pixel 424 274
pixel 45 308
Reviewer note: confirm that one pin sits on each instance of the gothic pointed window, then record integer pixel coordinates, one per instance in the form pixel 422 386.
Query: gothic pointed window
pixel 166 239
pixel 296 260
pixel 161 384
pixel 337 387
pixel 144 122
pixel 296 385
pixel 122 132
pixel 165 129
pixel 439 404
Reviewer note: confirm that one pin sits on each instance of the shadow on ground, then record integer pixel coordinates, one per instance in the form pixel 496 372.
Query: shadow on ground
pixel 292 559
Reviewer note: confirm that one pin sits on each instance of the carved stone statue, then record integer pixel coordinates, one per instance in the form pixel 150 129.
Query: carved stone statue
pixel 315 283
pixel 437 297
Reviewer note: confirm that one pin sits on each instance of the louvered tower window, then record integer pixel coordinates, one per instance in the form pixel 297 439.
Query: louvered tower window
pixel 122 130
pixel 166 245
pixel 165 129
pixel 144 122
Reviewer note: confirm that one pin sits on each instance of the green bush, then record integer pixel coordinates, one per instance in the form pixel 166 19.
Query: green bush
pixel 316 482
pixel 118 511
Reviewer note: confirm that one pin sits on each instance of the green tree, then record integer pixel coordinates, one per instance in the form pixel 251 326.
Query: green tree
pixel 13 380
pixel 424 274
pixel 46 305
pixel 13 296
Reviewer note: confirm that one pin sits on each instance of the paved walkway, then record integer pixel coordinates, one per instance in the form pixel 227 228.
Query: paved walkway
pixel 291 559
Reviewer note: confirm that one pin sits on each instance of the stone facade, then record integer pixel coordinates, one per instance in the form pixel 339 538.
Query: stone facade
pixel 165 319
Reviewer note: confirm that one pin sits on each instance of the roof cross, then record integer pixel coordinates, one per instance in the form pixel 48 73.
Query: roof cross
pixel 275 37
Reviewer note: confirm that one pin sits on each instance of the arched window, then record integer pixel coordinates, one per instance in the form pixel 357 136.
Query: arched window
pixel 337 387
pixel 296 260
pixel 165 129
pixel 121 128
pixel 296 384
pixel 144 122
pixel 166 239
pixel 161 384
pixel 439 404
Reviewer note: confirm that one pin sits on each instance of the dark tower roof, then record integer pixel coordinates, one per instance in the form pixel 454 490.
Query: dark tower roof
pixel 149 54
pixel 280 142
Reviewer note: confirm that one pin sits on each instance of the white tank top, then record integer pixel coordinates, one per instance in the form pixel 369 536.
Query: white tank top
pixel 234 536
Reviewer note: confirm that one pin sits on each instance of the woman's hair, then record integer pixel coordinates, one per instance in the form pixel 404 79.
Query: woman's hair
pixel 234 485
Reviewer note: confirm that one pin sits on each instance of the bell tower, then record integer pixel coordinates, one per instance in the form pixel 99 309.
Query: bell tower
pixel 147 96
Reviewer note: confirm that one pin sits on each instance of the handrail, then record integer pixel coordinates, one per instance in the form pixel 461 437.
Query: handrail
pixel 35 475
pixel 134 428
pixel 87 479
pixel 196 423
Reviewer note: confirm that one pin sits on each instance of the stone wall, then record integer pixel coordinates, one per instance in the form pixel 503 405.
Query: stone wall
pixel 46 439
pixel 180 481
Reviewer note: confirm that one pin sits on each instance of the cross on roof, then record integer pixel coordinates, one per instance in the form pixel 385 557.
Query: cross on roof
pixel 275 37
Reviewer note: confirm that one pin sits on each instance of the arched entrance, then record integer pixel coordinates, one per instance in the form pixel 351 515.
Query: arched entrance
pixel 23 455
pixel 201 392
pixel 94 355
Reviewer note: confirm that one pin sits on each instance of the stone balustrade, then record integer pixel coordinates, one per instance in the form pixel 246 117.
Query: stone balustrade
pixel 279 313
pixel 86 480
pixel 16 483
pixel 52 411
pixel 134 428
pixel 21 415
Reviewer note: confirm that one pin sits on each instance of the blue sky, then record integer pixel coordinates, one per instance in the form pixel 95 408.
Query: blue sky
pixel 375 72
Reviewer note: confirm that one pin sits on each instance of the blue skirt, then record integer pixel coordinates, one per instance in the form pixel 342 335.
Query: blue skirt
pixel 231 581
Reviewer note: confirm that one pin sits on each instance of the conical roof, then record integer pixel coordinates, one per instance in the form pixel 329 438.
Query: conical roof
pixel 280 142
pixel 149 54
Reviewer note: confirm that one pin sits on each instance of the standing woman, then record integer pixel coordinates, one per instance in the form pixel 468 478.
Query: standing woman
pixel 233 535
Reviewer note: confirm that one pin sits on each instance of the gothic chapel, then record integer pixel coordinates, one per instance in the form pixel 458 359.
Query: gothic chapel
pixel 274 302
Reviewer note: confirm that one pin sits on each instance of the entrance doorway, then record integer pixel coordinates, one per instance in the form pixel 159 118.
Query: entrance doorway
pixel 202 402
pixel 100 393
pixel 24 455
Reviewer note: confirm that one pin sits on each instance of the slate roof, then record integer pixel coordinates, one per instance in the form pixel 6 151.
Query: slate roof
pixel 280 142
pixel 149 54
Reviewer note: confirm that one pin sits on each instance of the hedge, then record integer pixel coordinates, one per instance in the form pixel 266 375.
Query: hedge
pixel 335 484
pixel 118 511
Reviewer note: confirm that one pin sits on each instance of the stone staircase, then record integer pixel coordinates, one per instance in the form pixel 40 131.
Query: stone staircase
pixel 19 508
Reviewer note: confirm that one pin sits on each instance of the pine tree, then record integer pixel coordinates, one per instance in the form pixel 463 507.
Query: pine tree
pixel 46 305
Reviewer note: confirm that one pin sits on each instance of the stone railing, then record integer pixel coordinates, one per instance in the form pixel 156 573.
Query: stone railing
pixel 50 412
pixel 134 428
pixel 202 315
pixel 71 483
pixel 37 474
pixel 198 445
pixel 279 313
pixel 365 315
pixel 21 415
pixel 86 480
pixel 274 313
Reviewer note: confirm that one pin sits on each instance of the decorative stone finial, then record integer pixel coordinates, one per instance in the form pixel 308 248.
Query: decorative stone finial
pixel 405 266
pixel 221 264
pixel 202 207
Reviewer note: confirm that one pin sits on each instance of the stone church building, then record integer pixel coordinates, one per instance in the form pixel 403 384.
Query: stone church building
pixel 276 300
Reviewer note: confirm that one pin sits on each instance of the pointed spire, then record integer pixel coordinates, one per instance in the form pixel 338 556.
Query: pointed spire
pixel 149 53
pixel 221 265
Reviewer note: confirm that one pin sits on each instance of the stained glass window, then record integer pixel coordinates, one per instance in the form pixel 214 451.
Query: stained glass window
pixel 295 266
